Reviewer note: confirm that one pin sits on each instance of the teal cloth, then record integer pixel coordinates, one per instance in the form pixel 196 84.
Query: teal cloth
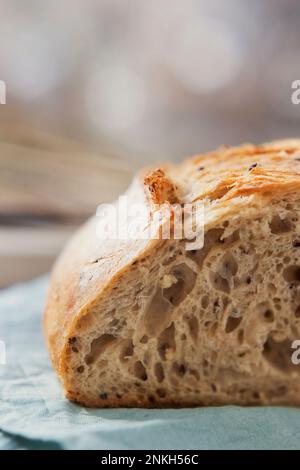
pixel 35 415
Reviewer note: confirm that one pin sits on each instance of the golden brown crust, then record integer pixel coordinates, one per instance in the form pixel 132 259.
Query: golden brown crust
pixel 159 187
pixel 229 173
pixel 130 400
pixel 226 180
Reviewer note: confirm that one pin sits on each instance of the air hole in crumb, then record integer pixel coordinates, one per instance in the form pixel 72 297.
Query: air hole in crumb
pixel 241 336
pixel 193 328
pixel 157 314
pixel 98 346
pixel 205 301
pixel 216 306
pixel 186 279
pixel 115 322
pixel 166 341
pixel 278 225
pixel 151 399
pixel 296 243
pixel 161 392
pixel 278 353
pixel 103 396
pixel 147 358
pixel 218 282
pixel 159 372
pixel 232 323
pixel 211 238
pixel 205 363
pixel 179 369
pixel 126 350
pixel 297 312
pixel 279 267
pixel 139 371
pixel 80 369
pixel 269 316
pixel 292 274
pixel 144 339
pixel 228 266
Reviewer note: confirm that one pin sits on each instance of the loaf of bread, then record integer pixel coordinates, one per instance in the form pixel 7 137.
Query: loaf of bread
pixel 147 322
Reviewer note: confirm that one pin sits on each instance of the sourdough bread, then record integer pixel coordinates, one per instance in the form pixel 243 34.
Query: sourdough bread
pixel 148 323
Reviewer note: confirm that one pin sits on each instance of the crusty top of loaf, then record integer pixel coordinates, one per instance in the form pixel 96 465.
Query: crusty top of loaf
pixel 227 180
pixel 231 172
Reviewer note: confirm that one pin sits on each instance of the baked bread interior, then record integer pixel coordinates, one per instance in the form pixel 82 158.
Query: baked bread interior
pixel 148 323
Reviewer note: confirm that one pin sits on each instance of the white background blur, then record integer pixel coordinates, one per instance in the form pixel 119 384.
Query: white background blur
pixel 152 80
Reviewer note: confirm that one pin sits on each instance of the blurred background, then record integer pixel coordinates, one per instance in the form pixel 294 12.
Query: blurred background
pixel 97 88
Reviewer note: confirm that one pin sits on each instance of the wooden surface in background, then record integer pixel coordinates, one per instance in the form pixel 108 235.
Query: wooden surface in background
pixel 48 186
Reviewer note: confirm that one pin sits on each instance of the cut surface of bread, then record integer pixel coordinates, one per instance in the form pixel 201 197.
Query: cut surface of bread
pixel 148 323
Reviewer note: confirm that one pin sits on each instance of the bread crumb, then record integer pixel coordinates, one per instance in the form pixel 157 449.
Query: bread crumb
pixel 167 281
